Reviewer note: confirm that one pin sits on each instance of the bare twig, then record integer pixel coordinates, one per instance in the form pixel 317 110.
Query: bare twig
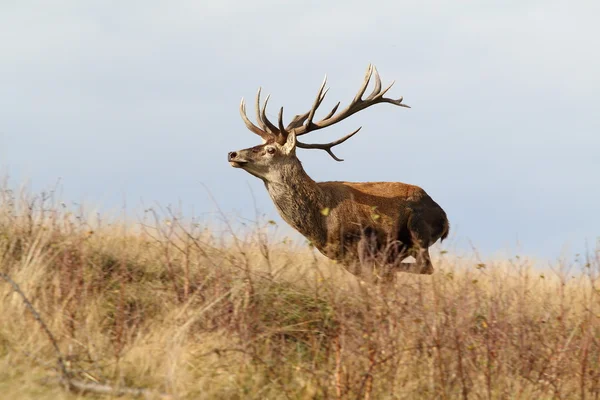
pixel 100 388
pixel 59 356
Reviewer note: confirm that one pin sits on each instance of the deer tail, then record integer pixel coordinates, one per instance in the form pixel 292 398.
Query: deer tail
pixel 446 230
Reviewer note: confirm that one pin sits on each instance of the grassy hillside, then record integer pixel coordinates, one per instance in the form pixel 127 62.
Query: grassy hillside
pixel 181 312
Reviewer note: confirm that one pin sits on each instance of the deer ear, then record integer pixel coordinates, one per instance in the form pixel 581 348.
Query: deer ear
pixel 290 143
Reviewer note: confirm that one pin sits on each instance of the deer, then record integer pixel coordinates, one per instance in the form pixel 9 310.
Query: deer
pixel 352 223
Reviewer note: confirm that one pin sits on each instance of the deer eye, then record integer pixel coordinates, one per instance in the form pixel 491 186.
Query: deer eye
pixel 270 150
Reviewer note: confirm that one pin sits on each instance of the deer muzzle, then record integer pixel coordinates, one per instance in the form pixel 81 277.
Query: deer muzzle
pixel 235 160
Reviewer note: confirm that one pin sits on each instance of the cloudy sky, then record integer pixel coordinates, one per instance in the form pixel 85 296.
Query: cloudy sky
pixel 138 101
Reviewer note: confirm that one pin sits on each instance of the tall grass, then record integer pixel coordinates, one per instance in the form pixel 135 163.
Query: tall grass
pixel 168 306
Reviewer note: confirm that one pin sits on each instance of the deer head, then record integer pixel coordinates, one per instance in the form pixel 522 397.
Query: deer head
pixel 268 160
pixel 278 150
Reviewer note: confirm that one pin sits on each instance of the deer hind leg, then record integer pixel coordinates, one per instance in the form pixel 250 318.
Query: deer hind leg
pixel 421 240
pixel 423 263
pixel 414 239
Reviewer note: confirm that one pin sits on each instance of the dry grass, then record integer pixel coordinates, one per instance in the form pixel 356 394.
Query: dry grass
pixel 169 307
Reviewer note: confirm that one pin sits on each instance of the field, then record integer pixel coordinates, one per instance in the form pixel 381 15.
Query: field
pixel 168 308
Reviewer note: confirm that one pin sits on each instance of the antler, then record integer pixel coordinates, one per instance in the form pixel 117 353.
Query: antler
pixel 263 131
pixel 303 123
pixel 267 131
pixel 327 146
pixel 357 104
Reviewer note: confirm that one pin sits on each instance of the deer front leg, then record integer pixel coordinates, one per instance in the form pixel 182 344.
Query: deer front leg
pixel 366 249
pixel 372 255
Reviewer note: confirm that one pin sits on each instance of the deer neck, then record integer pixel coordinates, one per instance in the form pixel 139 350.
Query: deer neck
pixel 299 201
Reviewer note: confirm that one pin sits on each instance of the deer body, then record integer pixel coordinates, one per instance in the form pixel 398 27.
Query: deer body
pixel 353 223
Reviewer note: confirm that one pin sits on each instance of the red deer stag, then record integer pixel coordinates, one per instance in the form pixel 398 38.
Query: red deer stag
pixel 346 221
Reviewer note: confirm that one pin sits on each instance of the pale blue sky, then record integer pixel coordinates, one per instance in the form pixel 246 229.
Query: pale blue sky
pixel 139 100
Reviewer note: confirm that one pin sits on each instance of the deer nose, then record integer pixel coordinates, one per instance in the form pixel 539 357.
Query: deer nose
pixel 231 156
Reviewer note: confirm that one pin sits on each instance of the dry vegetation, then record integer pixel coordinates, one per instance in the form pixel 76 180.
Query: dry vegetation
pixel 169 307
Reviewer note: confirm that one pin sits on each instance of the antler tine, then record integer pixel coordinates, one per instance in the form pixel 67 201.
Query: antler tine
pixel 382 99
pixel 282 130
pixel 386 89
pixel 359 95
pixel 297 121
pixel 333 110
pixel 317 103
pixel 270 126
pixel 255 129
pixel 377 89
pixel 327 146
pixel 257 106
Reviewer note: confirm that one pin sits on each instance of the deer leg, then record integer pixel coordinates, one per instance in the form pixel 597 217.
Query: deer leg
pixel 395 252
pixel 421 238
pixel 367 248
pixel 413 240
pixel 374 255
pixel 423 263
pixel 367 245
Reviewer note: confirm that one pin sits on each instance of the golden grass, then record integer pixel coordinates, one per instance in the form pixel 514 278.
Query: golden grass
pixel 169 307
